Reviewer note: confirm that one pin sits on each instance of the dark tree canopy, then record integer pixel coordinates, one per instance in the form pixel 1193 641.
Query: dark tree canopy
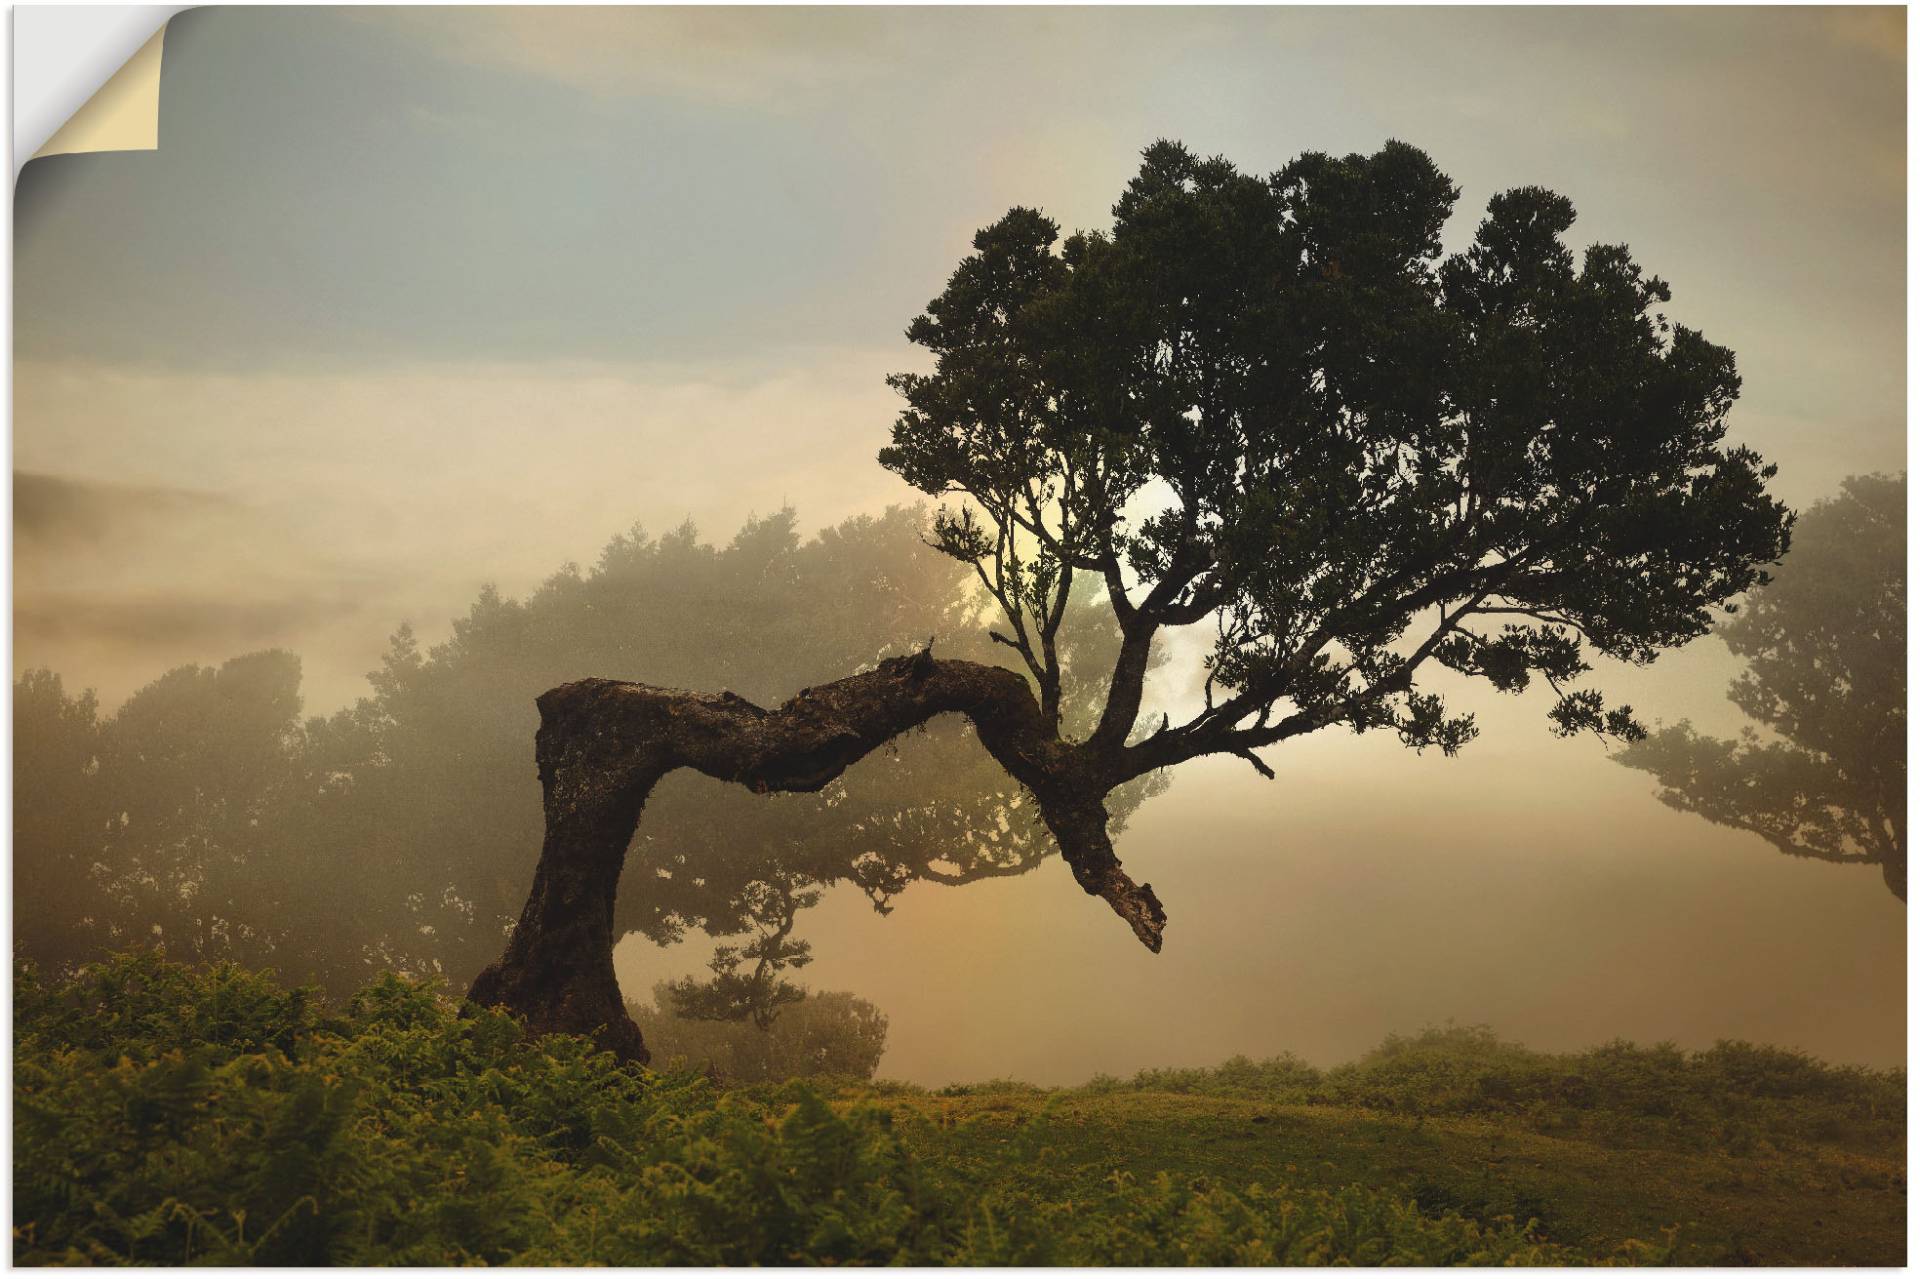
pixel 1823 771
pixel 1269 405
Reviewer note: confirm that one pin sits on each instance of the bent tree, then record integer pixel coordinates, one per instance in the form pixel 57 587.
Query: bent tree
pixel 1266 405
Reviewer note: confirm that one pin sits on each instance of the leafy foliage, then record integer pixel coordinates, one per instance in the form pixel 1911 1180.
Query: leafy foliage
pixel 1823 774
pixel 1172 1221
pixel 1272 404
pixel 166 1115
pixel 400 1131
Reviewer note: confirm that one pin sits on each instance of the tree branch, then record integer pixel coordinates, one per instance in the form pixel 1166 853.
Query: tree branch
pixel 603 745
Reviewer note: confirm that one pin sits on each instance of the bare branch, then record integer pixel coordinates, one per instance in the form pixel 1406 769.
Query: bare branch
pixel 1259 765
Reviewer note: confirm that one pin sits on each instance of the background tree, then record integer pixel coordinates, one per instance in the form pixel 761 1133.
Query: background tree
pixel 1824 775
pixel 1264 404
pixel 147 824
pixel 825 1032
pixel 196 760
pixel 452 797
pixel 170 821
pixel 59 821
pixel 399 833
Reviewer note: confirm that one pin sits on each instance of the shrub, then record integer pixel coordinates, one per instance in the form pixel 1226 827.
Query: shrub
pixel 1282 1078
pixel 824 1033
pixel 1736 1097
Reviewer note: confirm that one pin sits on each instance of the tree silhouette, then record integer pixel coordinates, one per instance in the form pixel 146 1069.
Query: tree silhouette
pixel 59 818
pixel 207 816
pixel 443 788
pixel 1826 652
pixel 822 1032
pixel 1268 405
pixel 171 821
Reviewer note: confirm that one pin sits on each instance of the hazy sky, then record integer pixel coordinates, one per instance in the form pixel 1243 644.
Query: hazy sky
pixel 412 300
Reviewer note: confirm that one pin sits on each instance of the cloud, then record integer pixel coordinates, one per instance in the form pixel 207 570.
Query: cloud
pixel 186 516
pixel 1878 29
pixel 160 622
pixel 730 55
pixel 117 581
pixel 52 511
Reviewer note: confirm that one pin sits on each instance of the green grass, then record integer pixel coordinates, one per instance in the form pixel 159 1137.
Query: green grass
pixel 1803 1205
pixel 167 1115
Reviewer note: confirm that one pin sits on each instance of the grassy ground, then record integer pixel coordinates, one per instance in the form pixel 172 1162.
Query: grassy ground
pixel 1808 1205
pixel 172 1115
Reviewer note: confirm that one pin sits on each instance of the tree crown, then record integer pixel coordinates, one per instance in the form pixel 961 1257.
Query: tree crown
pixel 1274 404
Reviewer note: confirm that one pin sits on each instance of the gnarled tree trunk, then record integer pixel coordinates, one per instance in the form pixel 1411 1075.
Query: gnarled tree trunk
pixel 603 744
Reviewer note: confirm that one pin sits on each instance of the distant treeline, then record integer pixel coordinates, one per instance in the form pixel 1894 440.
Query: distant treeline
pixel 208 816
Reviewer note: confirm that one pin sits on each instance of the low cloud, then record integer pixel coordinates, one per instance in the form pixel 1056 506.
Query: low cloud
pixel 51 512
pixel 143 627
pixel 726 56
pixel 116 582
pixel 174 517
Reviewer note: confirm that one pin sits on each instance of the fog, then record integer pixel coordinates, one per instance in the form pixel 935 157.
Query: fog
pixel 407 304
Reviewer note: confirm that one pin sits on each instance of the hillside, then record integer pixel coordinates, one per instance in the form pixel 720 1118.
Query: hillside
pixel 1802 1204
pixel 166 1115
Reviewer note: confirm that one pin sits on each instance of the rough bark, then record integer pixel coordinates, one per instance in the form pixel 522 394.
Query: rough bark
pixel 604 744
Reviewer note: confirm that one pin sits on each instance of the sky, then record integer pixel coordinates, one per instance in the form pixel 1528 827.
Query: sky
pixel 412 300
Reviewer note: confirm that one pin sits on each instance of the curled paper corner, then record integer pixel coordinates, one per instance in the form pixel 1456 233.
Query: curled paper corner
pixel 123 115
